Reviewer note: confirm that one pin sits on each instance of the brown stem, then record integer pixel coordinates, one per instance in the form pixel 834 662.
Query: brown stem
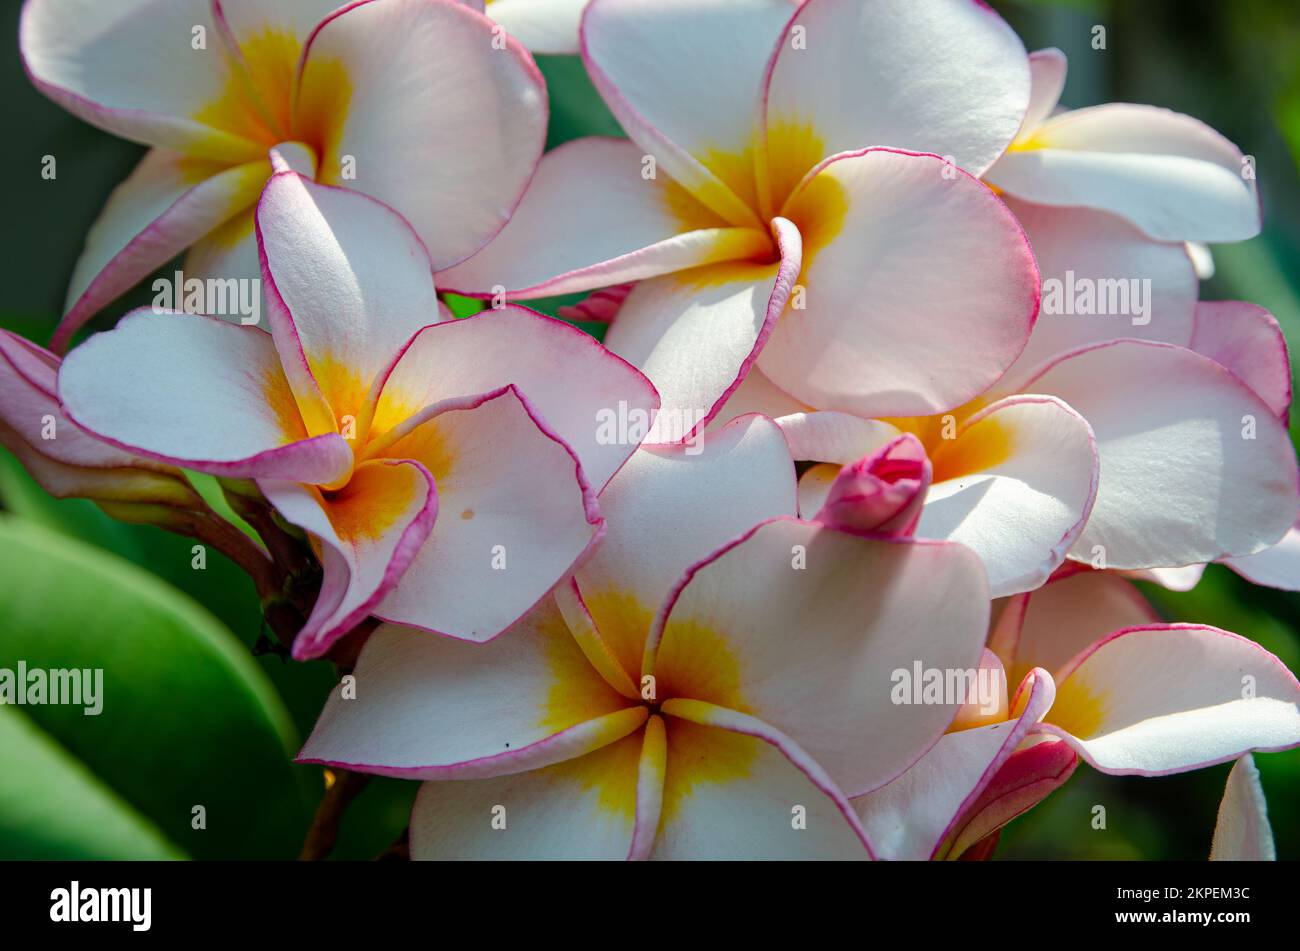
pixel 324 831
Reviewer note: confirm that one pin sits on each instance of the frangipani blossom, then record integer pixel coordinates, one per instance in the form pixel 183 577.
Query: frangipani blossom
pixel 1242 832
pixel 724 712
pixel 378 95
pixel 68 462
pixel 1123 454
pixel 1172 176
pixel 363 420
pixel 760 175
pixel 1147 699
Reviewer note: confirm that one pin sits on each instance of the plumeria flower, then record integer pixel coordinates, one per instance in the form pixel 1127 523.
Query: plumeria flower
pixel 544 26
pixel 689 694
pixel 1147 699
pixel 365 421
pixel 1172 176
pixel 69 463
pixel 1242 832
pixel 765 204
pixel 377 95
pixel 1117 454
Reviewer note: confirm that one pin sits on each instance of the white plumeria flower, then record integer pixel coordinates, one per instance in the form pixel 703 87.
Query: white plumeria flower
pixel 544 26
pixel 1124 453
pixel 379 95
pixel 689 694
pixel 1242 832
pixel 760 174
pixel 1148 699
pixel 1172 176
pixel 363 419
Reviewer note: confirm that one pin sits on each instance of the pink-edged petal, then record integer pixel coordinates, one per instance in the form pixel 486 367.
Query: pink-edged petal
pixel 1063 617
pixel 516 513
pixel 669 507
pixel 430 707
pixel 697 333
pixel 832 437
pixel 880 493
pixel 1242 832
pixel 757 394
pixel 348 283
pixel 1047 71
pixel 1225 481
pixel 400 86
pixel 591 218
pixel 1016 486
pixel 198 392
pixel 858 606
pixel 1248 341
pixel 920 288
pixel 169 202
pixel 948 77
pixel 1102 280
pixel 1171 175
pixel 579 809
pixel 1030 775
pixel 738 788
pixel 597 403
pixel 132 67
pixel 1166 699
pixel 910 817
pixel 366 535
pixel 684 78
pixel 64 459
pixel 544 26
pixel 1277 566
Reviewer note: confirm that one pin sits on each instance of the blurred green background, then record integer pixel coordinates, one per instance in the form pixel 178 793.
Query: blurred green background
pixel 195 718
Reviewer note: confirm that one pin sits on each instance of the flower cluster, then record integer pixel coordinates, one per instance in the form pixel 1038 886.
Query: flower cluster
pixel 907 370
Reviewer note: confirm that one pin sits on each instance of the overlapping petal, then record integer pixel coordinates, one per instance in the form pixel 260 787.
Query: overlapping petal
pixel 201 393
pixel 1247 340
pixel 902 254
pixel 1242 832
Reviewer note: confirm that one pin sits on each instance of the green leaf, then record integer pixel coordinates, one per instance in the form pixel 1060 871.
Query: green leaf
pixel 52 807
pixel 188 719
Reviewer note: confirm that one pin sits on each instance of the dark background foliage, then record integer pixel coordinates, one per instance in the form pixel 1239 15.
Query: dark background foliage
pixel 193 718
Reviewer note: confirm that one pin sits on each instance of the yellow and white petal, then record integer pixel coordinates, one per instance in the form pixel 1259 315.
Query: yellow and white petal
pixel 684 78
pixel 1063 617
pixel 948 77
pixel 429 707
pixel 591 218
pixel 198 392
pixel 580 809
pixel 669 507
pixel 388 95
pixel 1016 486
pixel 516 514
pixel 1171 175
pixel 808 629
pixel 740 790
pixel 697 333
pixel 155 71
pixel 366 535
pixel 1166 699
pixel 597 403
pixel 919 288
pixel 348 284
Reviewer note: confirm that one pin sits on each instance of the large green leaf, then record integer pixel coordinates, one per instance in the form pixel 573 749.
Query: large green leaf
pixel 188 718
pixel 52 807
